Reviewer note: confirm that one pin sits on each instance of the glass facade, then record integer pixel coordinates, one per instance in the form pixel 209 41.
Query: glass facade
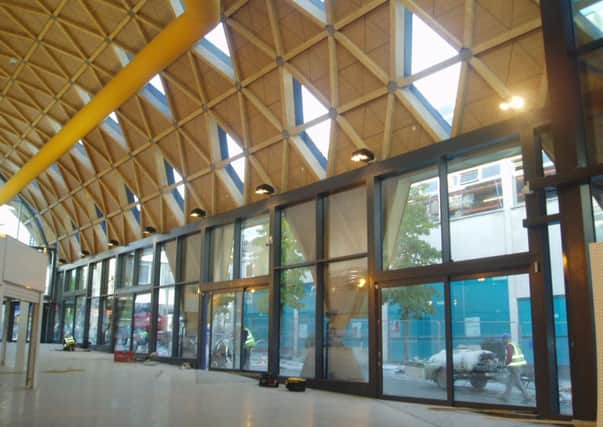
pixel 255 250
pixel 165 322
pixel 80 319
pixel 346 321
pixel 189 322
pixel 298 230
pixel 145 266
pixel 167 266
pixel 412 234
pixel 492 340
pixel 142 323
pixel 297 322
pixel 482 199
pixel 256 325
pixel 226 330
pixel 192 258
pixel 96 271
pixel 106 332
pixel 127 271
pixel 68 316
pixel 94 317
pixel 123 323
pixel 413 341
pixel 346 226
pixel 222 253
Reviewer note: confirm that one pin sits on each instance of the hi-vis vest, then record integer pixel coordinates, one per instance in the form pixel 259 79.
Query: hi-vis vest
pixel 518 359
pixel 250 341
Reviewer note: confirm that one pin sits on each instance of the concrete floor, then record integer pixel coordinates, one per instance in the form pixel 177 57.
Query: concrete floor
pixel 88 389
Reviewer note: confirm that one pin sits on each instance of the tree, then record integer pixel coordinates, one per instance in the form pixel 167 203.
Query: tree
pixel 412 250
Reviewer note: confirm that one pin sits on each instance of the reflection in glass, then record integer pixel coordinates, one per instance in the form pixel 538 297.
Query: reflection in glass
pixel 93 326
pixel 297 323
pixel 80 319
pixel 482 199
pixel 226 330
pixel 67 281
pixel 414 341
pixel 96 270
pixel 192 258
pixel 597 201
pixel 255 250
pixel 127 275
pixel 111 277
pixel 346 321
pixel 189 321
pixel 485 311
pixel 167 267
pixel 56 329
pixel 142 323
pixel 346 226
pixel 123 329
pixel 298 233
pixel 106 333
pixel 165 321
pixel 254 355
pixel 145 266
pixel 591 80
pixel 560 315
pixel 412 234
pixel 222 252
pixel 68 316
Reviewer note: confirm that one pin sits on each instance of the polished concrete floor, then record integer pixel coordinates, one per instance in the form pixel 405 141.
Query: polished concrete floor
pixel 89 389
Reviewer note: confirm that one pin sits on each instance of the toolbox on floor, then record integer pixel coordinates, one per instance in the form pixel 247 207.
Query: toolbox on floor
pixel 296 384
pixel 268 380
pixel 124 356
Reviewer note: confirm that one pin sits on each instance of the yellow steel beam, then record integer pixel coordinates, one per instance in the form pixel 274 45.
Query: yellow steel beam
pixel 198 19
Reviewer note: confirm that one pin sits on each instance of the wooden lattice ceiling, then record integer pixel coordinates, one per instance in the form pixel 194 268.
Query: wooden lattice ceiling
pixel 53 50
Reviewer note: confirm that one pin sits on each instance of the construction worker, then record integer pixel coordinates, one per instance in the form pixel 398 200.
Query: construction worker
pixel 514 361
pixel 248 344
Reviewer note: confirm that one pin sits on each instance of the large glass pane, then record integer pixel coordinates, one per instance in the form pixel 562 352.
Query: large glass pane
pixel 67 281
pixel 482 202
pixel 80 319
pixel 111 276
pixel 192 258
pixel 56 327
pixel 346 229
pixel 142 323
pixel 145 266
pixel 346 338
pixel 588 20
pixel 82 278
pixel 297 323
pixel 68 316
pixel 222 253
pixel 106 333
pixel 412 233
pixel 298 231
pixel 167 266
pixel 226 330
pixel 189 322
pixel 560 314
pixel 492 355
pixel 165 321
pixel 123 329
pixel 255 250
pixel 414 341
pixel 256 325
pixel 93 326
pixel 127 268
pixel 96 270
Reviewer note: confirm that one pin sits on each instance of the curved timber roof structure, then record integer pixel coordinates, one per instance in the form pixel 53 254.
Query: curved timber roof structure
pixel 281 92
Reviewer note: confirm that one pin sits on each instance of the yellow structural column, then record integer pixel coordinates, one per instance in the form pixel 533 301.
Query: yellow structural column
pixel 182 33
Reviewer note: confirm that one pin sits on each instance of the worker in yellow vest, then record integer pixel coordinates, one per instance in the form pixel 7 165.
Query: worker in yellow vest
pixel 514 360
pixel 248 344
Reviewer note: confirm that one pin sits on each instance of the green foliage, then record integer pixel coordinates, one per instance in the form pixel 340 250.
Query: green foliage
pixel 292 290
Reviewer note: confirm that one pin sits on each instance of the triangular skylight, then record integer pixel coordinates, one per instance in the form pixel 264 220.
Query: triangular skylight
pixel 213 47
pixel 314 7
pixel 173 177
pixel 426 48
pixel 594 14
pixel 131 197
pixel 308 108
pixel 230 148
pixel 103 223
pixel 77 233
